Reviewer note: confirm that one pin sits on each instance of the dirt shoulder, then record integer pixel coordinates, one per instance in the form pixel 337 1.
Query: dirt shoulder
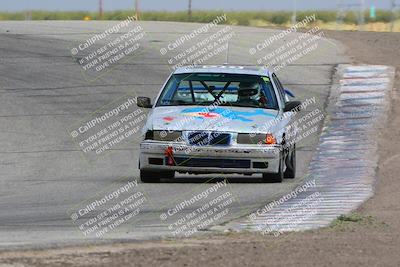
pixel 370 237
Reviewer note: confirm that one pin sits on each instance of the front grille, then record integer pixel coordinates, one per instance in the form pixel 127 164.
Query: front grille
pixel 209 138
pixel 199 138
pixel 220 139
pixel 212 162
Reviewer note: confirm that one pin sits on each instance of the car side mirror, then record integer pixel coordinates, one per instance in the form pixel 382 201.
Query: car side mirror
pixel 289 93
pixel 144 102
pixel 291 106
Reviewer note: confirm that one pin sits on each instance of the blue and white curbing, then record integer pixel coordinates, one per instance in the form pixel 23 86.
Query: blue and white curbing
pixel 344 165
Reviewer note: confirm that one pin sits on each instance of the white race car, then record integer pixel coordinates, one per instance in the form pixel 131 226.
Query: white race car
pixel 219 119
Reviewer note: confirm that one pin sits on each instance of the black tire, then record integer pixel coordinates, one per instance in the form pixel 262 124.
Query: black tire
pixel 275 177
pixel 290 171
pixel 155 176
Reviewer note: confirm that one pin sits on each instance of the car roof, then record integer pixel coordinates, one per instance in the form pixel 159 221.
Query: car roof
pixel 228 69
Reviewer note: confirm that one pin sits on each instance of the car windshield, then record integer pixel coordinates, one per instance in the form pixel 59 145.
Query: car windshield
pixel 225 89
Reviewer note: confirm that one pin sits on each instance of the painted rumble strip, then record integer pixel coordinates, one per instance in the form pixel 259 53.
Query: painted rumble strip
pixel 342 171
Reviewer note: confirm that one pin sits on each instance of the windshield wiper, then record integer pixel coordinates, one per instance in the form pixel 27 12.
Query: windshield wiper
pixel 185 104
pixel 240 105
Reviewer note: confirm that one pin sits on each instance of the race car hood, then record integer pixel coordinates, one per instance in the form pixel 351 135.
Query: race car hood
pixel 192 118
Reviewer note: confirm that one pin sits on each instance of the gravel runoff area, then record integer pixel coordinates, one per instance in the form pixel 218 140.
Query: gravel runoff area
pixel 369 237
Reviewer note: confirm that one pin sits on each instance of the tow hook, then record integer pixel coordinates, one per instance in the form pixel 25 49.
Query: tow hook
pixel 169 153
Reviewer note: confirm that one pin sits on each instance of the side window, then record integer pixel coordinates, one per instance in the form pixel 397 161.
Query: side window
pixel 272 98
pixel 280 88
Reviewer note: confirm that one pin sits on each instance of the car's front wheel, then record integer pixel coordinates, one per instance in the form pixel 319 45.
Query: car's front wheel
pixel 155 176
pixel 290 172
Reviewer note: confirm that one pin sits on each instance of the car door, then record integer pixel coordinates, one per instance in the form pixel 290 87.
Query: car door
pixel 281 92
pixel 287 118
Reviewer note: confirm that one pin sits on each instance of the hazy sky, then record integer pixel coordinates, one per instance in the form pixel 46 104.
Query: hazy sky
pixel 91 5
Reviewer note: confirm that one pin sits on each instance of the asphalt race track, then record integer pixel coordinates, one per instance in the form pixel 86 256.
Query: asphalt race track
pixel 44 91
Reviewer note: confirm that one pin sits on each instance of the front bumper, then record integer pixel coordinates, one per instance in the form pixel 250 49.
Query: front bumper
pixel 243 159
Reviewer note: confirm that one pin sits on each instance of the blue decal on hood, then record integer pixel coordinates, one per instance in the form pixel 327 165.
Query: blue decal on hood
pixel 202 113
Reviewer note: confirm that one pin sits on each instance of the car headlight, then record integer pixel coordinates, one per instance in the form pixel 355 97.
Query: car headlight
pixel 168 136
pixel 256 139
pixel 149 135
